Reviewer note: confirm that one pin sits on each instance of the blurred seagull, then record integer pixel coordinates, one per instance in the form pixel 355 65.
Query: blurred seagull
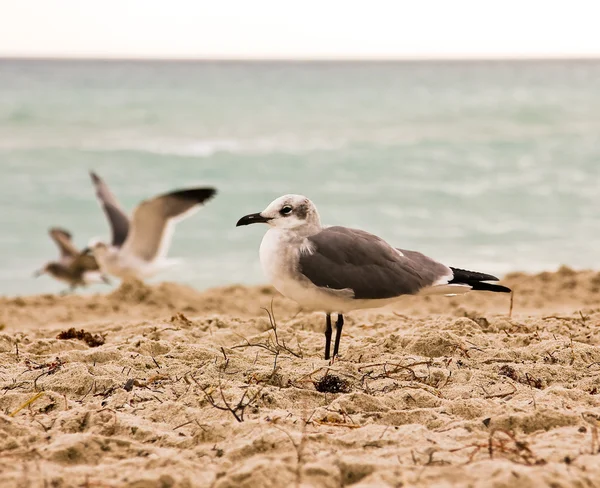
pixel 139 246
pixel 74 267
pixel 338 269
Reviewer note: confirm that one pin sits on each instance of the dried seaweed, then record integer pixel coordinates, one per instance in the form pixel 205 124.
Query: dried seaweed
pixel 331 383
pixel 92 340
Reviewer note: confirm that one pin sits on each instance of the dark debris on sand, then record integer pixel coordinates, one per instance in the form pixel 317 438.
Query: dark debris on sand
pixel 509 372
pixel 94 340
pixel 331 383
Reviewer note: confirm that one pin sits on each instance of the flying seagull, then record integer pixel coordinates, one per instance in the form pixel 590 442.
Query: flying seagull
pixel 339 269
pixel 73 267
pixel 139 246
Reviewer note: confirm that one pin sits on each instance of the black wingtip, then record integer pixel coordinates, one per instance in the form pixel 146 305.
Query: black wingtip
pixel 94 176
pixel 481 286
pixel 198 195
pixel 60 230
pixel 477 281
pixel 463 274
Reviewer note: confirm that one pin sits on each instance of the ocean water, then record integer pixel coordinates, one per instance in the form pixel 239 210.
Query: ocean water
pixel 492 166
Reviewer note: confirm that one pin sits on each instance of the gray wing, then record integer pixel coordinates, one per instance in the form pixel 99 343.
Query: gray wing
pixel 117 218
pixel 150 233
pixel 345 258
pixel 62 238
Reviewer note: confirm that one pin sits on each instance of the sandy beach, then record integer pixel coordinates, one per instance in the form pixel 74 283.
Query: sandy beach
pixel 178 388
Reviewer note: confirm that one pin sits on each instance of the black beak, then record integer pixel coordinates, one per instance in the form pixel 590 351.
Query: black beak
pixel 86 250
pixel 255 218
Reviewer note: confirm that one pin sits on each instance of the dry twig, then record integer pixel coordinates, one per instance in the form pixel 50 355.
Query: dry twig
pixel 236 410
pixel 273 345
pixel 27 403
pixel 505 444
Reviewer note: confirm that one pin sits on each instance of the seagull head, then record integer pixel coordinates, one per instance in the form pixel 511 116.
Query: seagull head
pixel 96 247
pixel 50 268
pixel 286 212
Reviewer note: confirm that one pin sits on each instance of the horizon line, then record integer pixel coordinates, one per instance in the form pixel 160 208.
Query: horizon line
pixel 562 57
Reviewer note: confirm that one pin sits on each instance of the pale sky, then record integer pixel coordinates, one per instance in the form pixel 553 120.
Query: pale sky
pixel 299 29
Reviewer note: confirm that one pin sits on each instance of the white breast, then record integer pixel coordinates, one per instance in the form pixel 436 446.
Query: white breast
pixel 279 257
pixel 126 266
pixel 275 254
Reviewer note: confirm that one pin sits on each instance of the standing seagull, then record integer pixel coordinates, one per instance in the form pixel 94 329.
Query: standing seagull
pixel 139 246
pixel 74 267
pixel 338 269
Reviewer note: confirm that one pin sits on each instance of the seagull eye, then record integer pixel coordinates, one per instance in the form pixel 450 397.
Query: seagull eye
pixel 286 210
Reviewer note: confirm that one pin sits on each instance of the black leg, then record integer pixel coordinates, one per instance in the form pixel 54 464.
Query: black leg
pixel 338 334
pixel 328 331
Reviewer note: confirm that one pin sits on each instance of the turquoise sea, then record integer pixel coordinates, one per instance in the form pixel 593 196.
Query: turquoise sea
pixel 493 166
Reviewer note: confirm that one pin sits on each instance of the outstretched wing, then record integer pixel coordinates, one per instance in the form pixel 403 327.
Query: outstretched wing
pixel 341 258
pixel 83 263
pixel 153 220
pixel 117 218
pixel 62 238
